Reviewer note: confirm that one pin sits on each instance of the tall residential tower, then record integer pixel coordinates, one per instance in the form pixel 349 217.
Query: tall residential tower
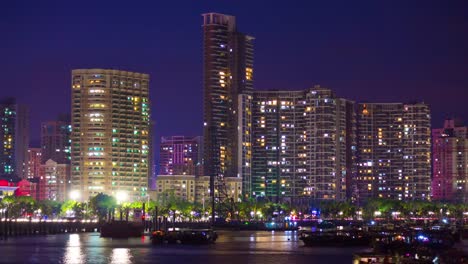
pixel 228 72
pixel 394 142
pixel 110 133
pixel 55 140
pixel 303 145
pixel 14 136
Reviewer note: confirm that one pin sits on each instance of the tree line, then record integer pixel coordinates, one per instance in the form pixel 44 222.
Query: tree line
pixel 104 207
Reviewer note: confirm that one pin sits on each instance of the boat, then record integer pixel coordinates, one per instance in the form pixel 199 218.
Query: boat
pixel 122 229
pixel 335 238
pixel 363 258
pixel 184 236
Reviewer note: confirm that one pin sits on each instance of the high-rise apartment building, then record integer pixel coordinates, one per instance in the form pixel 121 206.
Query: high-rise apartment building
pixel 14 136
pixel 228 72
pixel 244 143
pixel 303 145
pixel 110 132
pixel 55 140
pixel 450 162
pixel 180 155
pixel 34 162
pixel 394 146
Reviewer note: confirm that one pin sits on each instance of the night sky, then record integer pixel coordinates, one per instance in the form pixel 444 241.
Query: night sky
pixel 379 51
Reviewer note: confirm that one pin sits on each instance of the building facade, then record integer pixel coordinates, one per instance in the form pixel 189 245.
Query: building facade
pixel 175 186
pixel 450 162
pixel 180 155
pixel 394 146
pixel 303 145
pixel 55 140
pixel 34 162
pixel 228 72
pixel 193 188
pixel 244 143
pixel 110 132
pixel 14 135
pixel 54 183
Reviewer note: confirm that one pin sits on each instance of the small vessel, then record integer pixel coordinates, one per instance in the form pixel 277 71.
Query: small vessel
pixel 121 229
pixel 184 236
pixel 335 238
pixel 363 258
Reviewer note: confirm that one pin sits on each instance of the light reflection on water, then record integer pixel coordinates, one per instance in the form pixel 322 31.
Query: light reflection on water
pixel 121 256
pixel 73 251
pixel 232 247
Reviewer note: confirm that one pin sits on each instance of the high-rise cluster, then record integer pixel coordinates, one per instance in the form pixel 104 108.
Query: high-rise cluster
pixel 110 133
pixel 278 145
pixel 298 146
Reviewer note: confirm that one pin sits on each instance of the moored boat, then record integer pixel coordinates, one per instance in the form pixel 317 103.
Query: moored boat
pixel 121 229
pixel 185 236
pixel 335 238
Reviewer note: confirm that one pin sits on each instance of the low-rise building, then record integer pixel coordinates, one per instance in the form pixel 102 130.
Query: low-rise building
pixel 193 188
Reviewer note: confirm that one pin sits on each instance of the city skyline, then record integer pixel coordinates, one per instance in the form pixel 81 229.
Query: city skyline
pixel 363 66
pixel 294 131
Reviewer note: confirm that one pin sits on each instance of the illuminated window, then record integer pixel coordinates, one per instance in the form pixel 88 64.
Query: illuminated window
pixel 248 73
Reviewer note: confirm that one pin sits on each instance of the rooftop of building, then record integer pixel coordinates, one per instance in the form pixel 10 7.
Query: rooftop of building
pixel 110 71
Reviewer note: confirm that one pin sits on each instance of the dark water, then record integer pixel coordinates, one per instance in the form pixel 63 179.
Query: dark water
pixel 231 247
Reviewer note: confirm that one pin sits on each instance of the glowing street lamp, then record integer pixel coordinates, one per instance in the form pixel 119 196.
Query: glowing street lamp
pixel 395 214
pixel 75 195
pixel 121 196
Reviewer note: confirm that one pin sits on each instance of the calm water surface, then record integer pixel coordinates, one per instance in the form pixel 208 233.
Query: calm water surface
pixel 232 247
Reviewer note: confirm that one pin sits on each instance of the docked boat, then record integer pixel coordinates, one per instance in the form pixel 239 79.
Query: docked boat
pixel 122 229
pixel 364 258
pixel 184 236
pixel 335 239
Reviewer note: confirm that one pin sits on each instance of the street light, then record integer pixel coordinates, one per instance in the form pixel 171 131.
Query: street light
pixel 75 195
pixel 121 196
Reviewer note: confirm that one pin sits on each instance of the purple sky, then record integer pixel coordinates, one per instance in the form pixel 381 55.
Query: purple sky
pixel 380 51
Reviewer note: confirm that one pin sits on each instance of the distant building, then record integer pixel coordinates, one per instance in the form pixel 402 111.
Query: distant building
pixel 34 162
pixel 55 140
pixel 193 188
pixel 227 73
pixel 394 145
pixel 54 181
pixel 180 155
pixel 450 162
pixel 14 136
pixel 111 142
